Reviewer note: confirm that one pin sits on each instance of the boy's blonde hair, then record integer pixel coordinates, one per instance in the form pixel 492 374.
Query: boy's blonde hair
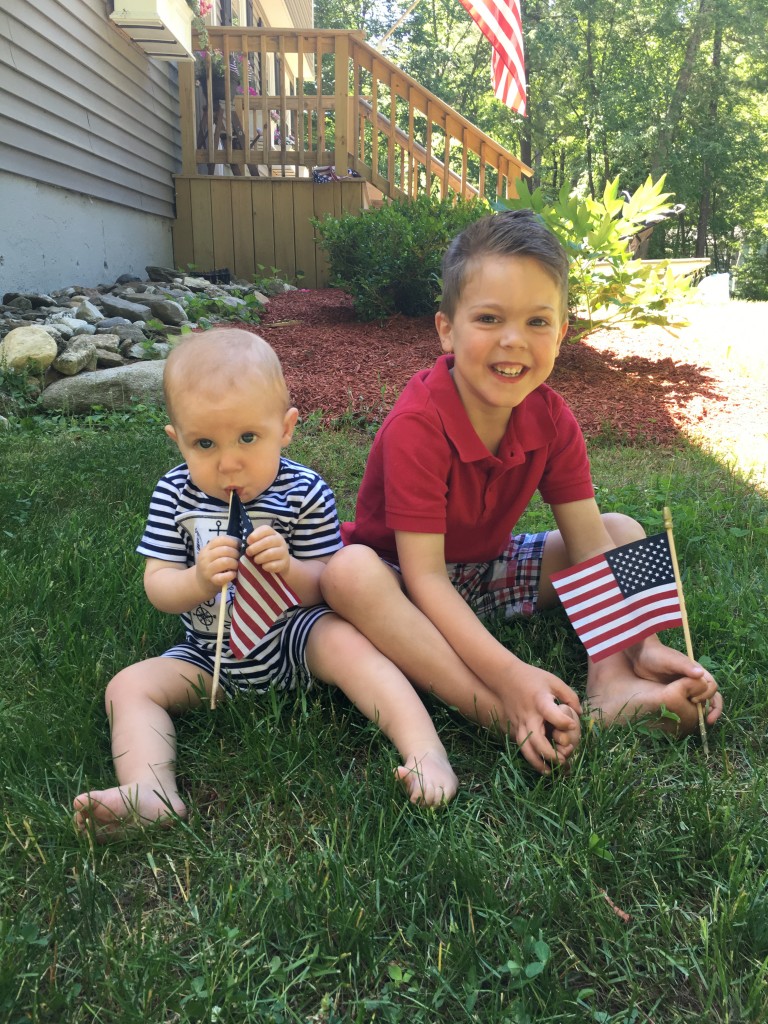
pixel 223 359
pixel 511 233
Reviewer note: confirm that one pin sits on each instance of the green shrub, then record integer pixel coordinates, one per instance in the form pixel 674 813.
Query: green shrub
pixel 388 259
pixel 751 274
pixel 606 284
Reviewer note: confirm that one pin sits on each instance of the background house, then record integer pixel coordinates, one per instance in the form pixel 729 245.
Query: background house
pixel 90 139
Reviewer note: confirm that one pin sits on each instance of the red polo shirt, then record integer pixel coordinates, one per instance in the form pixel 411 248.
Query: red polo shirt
pixel 429 472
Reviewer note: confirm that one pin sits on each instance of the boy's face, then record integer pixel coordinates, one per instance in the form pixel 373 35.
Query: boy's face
pixel 232 443
pixel 505 335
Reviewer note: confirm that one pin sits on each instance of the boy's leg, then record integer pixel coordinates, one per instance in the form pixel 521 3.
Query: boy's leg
pixel 337 653
pixel 367 592
pixel 139 702
pixel 358 585
pixel 618 688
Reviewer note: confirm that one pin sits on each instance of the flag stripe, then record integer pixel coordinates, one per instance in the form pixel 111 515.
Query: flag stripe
pixel 501 24
pixel 617 599
pixel 260 598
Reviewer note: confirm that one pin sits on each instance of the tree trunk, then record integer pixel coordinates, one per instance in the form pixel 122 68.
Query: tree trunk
pixel 705 202
pixel 674 110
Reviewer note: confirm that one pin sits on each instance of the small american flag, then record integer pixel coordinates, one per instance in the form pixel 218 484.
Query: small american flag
pixel 618 598
pixel 501 24
pixel 260 596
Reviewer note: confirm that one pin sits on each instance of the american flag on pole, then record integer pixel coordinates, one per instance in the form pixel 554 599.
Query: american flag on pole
pixel 618 598
pixel 260 596
pixel 501 24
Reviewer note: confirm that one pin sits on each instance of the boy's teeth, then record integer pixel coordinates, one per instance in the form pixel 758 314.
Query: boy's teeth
pixel 509 373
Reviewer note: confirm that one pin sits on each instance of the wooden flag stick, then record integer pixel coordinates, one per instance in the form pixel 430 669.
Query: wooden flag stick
pixel 684 616
pixel 215 685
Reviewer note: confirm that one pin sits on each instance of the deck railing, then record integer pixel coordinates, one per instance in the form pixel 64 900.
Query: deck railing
pixel 295 100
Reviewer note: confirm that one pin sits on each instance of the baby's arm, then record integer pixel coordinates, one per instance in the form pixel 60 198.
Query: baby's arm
pixel 531 700
pixel 174 588
pixel 270 550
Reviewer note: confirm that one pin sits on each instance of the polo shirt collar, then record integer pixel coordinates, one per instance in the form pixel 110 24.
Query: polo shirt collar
pixel 530 425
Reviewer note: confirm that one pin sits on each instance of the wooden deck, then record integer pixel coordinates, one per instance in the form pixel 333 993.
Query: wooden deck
pixel 296 100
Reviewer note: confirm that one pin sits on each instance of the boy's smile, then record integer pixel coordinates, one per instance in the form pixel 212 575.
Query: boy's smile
pixel 505 336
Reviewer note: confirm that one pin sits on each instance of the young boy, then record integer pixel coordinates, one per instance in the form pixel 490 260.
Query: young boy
pixel 454 465
pixel 230 417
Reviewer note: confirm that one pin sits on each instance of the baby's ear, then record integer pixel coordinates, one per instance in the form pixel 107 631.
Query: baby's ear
pixel 289 425
pixel 168 428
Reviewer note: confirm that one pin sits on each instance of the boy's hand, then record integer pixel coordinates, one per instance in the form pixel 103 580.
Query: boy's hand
pixel 543 717
pixel 217 564
pixel 269 549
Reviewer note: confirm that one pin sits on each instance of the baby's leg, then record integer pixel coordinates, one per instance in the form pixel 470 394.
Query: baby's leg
pixel 139 702
pixel 337 653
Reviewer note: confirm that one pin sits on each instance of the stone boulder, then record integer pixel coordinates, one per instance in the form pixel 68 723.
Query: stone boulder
pixel 28 347
pixel 119 389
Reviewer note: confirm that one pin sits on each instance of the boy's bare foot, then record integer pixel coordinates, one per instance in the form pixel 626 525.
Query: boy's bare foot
pixel 428 780
pixel 623 696
pixel 112 812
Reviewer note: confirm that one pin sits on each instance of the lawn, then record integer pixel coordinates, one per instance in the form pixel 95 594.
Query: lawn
pixel 303 888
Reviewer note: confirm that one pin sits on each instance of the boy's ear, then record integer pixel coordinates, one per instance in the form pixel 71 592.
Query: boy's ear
pixel 289 425
pixel 168 428
pixel 443 325
pixel 563 332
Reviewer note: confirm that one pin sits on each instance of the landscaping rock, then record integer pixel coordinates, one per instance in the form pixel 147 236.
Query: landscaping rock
pixel 118 389
pixel 28 347
pixel 79 354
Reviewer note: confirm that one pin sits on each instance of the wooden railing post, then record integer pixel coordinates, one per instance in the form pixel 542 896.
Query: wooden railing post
pixel 341 90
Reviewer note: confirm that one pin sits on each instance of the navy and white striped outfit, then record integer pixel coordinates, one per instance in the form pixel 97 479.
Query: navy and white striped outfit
pixel 183 519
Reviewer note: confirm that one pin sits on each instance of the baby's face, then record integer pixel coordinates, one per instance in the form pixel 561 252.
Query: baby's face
pixel 233 442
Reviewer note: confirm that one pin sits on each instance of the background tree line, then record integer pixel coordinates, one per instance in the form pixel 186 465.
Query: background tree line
pixel 614 87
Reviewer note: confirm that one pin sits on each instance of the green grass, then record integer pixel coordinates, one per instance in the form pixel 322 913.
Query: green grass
pixel 303 888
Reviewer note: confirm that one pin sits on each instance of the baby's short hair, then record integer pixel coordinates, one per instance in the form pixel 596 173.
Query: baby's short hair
pixel 511 233
pixel 223 358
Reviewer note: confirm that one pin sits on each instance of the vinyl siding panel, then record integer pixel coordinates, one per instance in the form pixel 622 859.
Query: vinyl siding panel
pixel 83 108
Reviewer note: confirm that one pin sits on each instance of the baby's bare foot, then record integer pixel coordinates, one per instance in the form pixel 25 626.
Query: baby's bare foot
pixel 109 813
pixel 428 779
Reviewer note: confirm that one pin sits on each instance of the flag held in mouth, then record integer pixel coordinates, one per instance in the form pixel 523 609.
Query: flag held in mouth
pixel 260 596
pixel 618 598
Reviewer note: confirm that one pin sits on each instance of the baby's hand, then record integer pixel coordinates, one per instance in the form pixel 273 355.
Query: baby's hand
pixel 216 563
pixel 269 549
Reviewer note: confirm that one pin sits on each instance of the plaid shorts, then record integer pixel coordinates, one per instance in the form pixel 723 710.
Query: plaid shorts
pixel 508 584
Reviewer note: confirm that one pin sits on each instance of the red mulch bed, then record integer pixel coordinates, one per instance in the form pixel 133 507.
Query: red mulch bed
pixel 644 385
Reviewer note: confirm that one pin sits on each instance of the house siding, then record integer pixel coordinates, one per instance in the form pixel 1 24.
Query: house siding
pixel 83 108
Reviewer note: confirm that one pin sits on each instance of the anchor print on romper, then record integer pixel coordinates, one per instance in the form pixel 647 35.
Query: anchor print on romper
pixel 203 528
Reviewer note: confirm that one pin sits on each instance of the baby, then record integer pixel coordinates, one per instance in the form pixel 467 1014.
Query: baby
pixel 231 417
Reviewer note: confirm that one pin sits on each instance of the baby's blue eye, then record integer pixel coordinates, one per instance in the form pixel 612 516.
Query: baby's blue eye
pixel 248 438
pixel 205 443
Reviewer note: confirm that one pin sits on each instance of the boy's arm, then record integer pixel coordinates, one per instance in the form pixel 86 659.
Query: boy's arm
pixel 527 695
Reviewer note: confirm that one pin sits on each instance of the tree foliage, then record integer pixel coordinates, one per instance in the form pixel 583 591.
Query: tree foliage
pixel 614 88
